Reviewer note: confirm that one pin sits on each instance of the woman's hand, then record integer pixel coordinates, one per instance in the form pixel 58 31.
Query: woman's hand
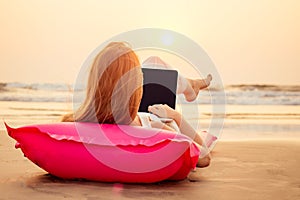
pixel 163 110
pixel 166 112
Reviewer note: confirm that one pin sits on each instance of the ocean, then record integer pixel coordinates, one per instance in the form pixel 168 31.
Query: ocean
pixel 251 111
pixel 235 94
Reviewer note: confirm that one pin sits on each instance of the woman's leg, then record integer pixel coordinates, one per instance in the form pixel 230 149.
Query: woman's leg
pixel 189 87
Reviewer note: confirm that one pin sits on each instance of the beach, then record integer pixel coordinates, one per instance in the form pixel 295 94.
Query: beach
pixel 256 156
pixel 239 57
pixel 262 169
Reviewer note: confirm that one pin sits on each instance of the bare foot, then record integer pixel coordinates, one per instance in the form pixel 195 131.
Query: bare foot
pixel 204 162
pixel 195 85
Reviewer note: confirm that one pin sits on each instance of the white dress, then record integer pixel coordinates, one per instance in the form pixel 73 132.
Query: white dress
pixel 146 119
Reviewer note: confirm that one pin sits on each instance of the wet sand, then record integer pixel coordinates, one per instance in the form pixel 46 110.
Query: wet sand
pixel 261 169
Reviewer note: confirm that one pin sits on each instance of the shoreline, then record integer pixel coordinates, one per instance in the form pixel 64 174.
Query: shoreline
pixel 260 169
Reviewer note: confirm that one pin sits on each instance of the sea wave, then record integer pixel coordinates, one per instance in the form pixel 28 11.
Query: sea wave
pixel 264 87
pixel 235 94
pixel 38 86
pixel 247 97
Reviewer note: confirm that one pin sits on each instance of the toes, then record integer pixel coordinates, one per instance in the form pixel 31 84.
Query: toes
pixel 209 77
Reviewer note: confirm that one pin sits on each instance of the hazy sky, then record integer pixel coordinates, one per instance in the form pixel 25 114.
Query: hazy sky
pixel 250 41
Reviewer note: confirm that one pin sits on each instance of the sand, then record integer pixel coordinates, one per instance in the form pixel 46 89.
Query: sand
pixel 261 169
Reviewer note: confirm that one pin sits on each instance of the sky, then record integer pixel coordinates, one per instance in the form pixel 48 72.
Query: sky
pixel 250 41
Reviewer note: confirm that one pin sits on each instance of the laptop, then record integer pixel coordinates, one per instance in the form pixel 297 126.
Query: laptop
pixel 159 87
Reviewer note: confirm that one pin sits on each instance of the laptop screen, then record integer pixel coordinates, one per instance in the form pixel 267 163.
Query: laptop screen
pixel 159 88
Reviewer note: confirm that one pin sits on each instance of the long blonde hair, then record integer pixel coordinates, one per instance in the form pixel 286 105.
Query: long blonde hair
pixel 114 75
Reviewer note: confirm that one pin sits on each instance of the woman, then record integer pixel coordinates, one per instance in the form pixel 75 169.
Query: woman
pixel 114 92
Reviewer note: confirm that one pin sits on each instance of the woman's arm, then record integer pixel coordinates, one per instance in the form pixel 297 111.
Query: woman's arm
pixel 185 128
